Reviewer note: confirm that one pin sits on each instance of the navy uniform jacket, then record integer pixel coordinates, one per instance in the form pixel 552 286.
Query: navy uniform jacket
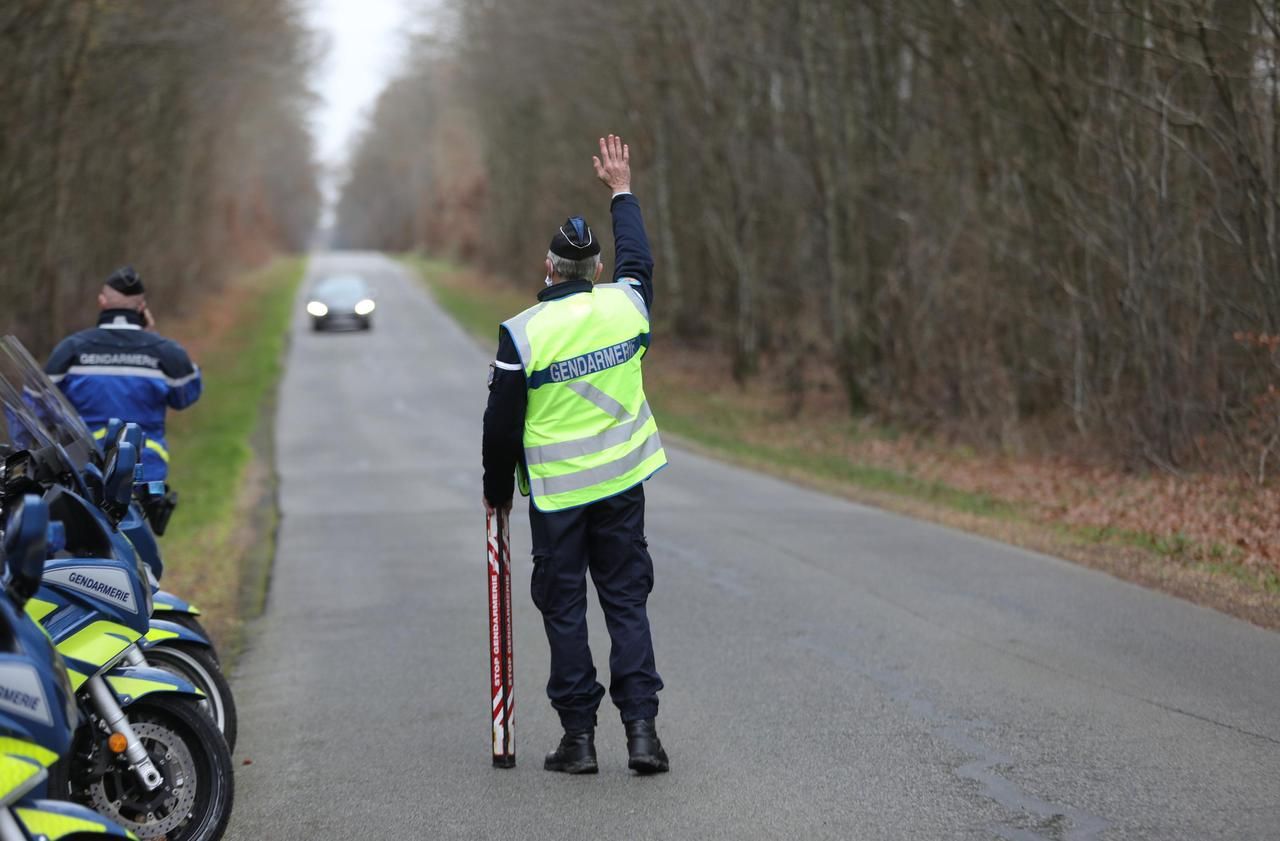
pixel 503 446
pixel 119 370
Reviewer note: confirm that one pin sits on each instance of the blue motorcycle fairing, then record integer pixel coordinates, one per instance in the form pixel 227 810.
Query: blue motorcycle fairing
pixel 107 587
pixel 33 710
pixel 110 579
pixel 88 528
pixel 36 700
pixel 162 631
pixel 166 601
pixel 136 528
pixel 132 683
pixel 88 531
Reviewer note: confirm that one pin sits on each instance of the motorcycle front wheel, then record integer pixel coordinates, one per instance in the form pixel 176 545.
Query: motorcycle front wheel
pixel 194 801
pixel 191 623
pixel 198 666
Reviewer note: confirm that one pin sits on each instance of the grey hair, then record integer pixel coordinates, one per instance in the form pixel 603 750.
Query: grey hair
pixel 574 269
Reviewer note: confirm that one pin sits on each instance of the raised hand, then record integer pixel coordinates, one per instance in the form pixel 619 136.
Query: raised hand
pixel 613 166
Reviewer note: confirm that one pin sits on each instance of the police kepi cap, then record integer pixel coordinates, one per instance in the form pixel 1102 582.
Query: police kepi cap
pixel 126 281
pixel 574 240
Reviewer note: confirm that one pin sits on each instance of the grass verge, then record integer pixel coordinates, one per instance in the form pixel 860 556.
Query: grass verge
pixel 218 547
pixel 868 466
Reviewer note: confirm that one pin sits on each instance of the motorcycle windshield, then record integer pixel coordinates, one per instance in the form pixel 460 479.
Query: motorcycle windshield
pixel 50 407
pixel 18 424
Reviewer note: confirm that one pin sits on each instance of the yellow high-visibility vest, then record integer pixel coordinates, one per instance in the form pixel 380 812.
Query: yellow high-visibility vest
pixel 588 430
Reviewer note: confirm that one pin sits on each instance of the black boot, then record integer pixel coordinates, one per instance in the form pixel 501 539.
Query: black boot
pixel 576 754
pixel 645 748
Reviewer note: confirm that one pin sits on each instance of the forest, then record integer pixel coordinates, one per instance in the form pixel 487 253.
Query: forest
pixel 171 136
pixel 1040 226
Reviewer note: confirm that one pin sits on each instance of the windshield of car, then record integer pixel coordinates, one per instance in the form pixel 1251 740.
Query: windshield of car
pixel 45 402
pixel 341 290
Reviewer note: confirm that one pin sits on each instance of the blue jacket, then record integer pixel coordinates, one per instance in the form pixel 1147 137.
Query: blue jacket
pixel 119 370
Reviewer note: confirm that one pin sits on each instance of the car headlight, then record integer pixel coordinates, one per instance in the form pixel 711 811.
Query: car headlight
pixel 364 307
pixel 317 309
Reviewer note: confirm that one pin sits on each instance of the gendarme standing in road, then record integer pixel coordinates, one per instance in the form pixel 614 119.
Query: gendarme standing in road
pixel 121 369
pixel 567 413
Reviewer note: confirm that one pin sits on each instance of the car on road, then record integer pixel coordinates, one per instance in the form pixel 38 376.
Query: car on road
pixel 341 301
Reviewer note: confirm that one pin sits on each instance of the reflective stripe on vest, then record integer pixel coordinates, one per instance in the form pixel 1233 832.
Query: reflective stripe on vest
pixel 589 432
pixel 592 443
pixel 555 485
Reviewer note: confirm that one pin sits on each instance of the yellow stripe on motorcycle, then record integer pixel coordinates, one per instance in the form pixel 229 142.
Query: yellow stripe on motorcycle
pixel 38 609
pixel 10 746
pixel 18 776
pixel 134 688
pixel 99 644
pixel 162 605
pixel 99 434
pixel 51 825
pixel 160 635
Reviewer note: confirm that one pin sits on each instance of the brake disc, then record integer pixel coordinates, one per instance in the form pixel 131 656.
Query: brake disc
pixel 121 796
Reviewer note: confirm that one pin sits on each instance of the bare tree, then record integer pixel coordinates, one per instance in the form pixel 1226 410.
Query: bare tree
pixel 1012 222
pixel 169 135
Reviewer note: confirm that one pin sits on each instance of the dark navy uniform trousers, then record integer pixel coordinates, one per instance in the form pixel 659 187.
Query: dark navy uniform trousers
pixel 605 538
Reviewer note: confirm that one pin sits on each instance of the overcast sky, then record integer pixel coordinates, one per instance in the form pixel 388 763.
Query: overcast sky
pixel 365 47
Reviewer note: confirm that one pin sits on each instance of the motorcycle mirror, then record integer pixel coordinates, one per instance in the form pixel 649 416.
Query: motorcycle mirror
pixel 26 542
pixel 133 434
pixel 112 436
pixel 119 479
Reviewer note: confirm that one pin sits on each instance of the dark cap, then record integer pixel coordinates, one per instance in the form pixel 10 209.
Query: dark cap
pixel 126 281
pixel 574 240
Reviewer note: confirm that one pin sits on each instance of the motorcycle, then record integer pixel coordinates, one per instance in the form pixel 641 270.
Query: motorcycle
pixel 146 754
pixel 175 640
pixel 87 449
pixel 37 704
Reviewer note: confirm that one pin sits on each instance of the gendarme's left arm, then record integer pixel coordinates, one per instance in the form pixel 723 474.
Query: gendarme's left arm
pixel 633 261
pixel 182 375
pixel 503 439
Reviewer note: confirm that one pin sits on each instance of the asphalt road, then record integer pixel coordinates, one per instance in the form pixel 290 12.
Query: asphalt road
pixel 833 671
